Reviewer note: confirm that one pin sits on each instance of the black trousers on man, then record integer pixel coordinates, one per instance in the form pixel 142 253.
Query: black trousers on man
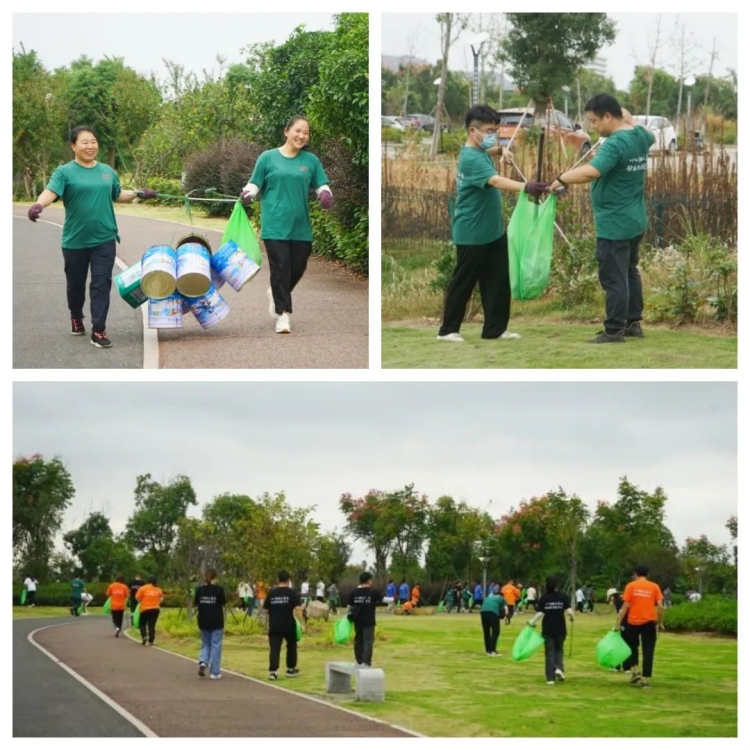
pixel 621 282
pixel 117 617
pixel 640 635
pixel 553 655
pixel 488 266
pixel 287 261
pixel 274 641
pixel 101 261
pixel 364 642
pixel 491 629
pixel 147 624
pixel 31 598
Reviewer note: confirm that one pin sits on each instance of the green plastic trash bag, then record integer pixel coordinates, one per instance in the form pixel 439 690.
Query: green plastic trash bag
pixel 23 597
pixel 441 607
pixel 137 616
pixel 526 644
pixel 108 606
pixel 240 231
pixel 342 631
pixel 611 651
pixel 298 629
pixel 530 239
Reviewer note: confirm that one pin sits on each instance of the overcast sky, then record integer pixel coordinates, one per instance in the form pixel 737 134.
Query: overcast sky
pixel 477 442
pixel 636 33
pixel 146 39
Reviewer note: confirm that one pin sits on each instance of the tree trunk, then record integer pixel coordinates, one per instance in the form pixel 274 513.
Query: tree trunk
pixel 446 27
pixel 111 157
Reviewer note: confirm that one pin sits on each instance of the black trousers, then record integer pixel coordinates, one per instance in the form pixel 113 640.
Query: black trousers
pixel 553 655
pixel 488 266
pixel 621 281
pixel 117 617
pixel 101 260
pixel 75 603
pixel 30 598
pixel 640 635
pixel 511 612
pixel 274 641
pixel 491 629
pixel 287 261
pixel 364 642
pixel 147 624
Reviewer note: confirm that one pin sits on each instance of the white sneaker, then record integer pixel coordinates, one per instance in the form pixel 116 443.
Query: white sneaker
pixel 550 682
pixel 271 303
pixel 455 337
pixel 215 677
pixel 509 335
pixel 282 323
pixel 559 674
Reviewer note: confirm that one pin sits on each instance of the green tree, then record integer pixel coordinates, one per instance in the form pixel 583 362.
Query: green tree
pixel 731 526
pixel 42 491
pixel 706 565
pixel 665 91
pixel 91 543
pixel 158 510
pixel 332 553
pixel 545 51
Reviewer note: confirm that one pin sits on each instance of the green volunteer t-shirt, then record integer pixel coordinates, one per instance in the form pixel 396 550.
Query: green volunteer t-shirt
pixel 478 218
pixel 618 195
pixel 88 193
pixel 493 603
pixel 76 588
pixel 285 185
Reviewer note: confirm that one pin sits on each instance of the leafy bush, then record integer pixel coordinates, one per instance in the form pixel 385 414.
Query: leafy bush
pixel 58 594
pixel 574 276
pixel 166 187
pixel 391 135
pixel 710 615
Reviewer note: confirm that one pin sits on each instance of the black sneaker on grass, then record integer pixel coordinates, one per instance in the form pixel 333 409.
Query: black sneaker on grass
pixel 608 338
pixel 202 669
pixel 273 676
pixel 635 678
pixel 644 683
pixel 634 330
pixel 76 327
pixel 292 672
pixel 100 340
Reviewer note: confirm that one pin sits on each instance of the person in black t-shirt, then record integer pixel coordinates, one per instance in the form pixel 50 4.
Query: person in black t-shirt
pixel 553 605
pixel 135 584
pixel 362 603
pixel 284 605
pixel 209 600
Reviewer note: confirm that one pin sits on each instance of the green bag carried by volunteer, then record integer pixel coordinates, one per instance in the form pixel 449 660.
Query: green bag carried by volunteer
pixel 611 651
pixel 526 644
pixel 298 629
pixel 23 597
pixel 530 238
pixel 342 631
pixel 108 606
pixel 137 616
pixel 240 231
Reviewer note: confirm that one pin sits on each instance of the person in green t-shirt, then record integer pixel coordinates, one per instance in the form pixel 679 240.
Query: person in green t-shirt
pixel 77 587
pixel 284 177
pixel 88 189
pixel 478 233
pixel 618 177
pixel 493 609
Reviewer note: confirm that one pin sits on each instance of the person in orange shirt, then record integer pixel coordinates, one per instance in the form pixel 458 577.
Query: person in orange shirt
pixel 150 597
pixel 511 593
pixel 643 614
pixel 118 592
pixel 416 594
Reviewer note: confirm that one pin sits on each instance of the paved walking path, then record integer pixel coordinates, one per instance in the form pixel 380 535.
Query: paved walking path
pixel 329 326
pixel 159 689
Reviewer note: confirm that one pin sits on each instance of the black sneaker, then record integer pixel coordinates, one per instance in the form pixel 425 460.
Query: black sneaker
pixel 634 330
pixel 117 633
pixel 292 672
pixel 201 670
pixel 76 327
pixel 608 338
pixel 143 642
pixel 273 676
pixel 645 683
pixel 635 678
pixel 100 340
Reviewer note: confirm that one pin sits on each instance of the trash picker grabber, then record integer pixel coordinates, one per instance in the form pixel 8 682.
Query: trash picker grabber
pixel 570 650
pixel 520 120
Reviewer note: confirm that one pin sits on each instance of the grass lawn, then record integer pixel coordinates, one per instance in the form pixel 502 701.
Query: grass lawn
pixel 27 613
pixel 440 683
pixel 555 344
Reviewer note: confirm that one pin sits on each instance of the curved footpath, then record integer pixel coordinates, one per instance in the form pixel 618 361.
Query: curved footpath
pixel 329 326
pixel 157 691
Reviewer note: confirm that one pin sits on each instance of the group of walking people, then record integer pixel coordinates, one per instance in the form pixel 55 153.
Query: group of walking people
pixel 281 180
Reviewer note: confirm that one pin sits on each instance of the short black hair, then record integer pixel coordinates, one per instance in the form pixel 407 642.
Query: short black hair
pixel 601 104
pixel 152 580
pixel 365 576
pixel 283 576
pixel 80 129
pixel 551 583
pixel 641 570
pixel 120 579
pixel 482 113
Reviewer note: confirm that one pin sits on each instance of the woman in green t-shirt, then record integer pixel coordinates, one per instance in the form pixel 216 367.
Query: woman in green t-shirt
pixel 283 178
pixel 88 190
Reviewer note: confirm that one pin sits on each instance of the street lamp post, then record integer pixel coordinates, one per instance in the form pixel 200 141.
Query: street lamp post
pixel 566 91
pixel 476 50
pixel 689 136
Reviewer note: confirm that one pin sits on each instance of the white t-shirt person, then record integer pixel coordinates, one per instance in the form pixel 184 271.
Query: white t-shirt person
pixel 531 594
pixel 579 596
pixel 320 590
pixel 305 589
pixel 30 583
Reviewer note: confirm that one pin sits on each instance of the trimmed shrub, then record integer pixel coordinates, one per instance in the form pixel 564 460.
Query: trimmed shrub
pixel 710 615
pixel 58 594
pixel 164 186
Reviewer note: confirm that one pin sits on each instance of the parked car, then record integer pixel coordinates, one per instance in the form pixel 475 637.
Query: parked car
pixel 666 137
pixel 420 122
pixel 391 122
pixel 573 135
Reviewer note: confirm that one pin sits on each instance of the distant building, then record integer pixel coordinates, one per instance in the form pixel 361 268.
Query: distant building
pixel 598 65
pixel 394 63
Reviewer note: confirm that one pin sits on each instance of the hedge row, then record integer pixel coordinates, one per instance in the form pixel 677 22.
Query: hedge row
pixel 710 615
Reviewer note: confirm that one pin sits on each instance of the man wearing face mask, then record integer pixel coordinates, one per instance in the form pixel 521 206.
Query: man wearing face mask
pixel 478 232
